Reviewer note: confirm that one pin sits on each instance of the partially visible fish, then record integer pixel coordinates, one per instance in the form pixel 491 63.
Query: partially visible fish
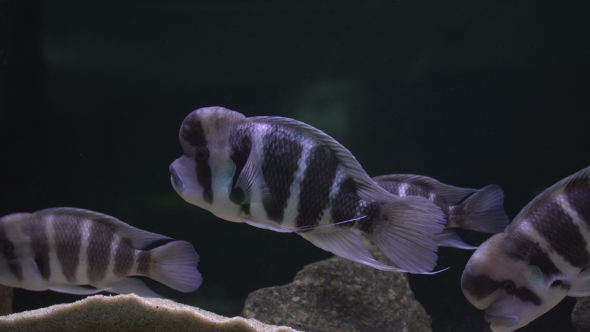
pixel 541 257
pixel 287 176
pixel 478 210
pixel 63 248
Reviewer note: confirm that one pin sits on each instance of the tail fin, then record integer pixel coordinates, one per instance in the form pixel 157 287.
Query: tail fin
pixel 483 211
pixel 407 233
pixel 175 265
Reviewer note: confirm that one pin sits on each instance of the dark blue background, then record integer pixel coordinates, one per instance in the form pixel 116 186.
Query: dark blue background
pixel 468 92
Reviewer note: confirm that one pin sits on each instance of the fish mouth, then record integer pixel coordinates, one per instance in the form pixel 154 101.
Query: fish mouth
pixel 176 179
pixel 501 320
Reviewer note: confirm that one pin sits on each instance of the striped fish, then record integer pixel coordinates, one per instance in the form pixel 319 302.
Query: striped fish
pixel 284 175
pixel 542 257
pixel 478 210
pixel 62 249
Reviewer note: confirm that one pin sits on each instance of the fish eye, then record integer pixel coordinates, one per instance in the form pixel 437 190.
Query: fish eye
pixel 202 155
pixel 509 286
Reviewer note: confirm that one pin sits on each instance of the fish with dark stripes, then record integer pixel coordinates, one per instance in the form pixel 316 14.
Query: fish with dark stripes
pixel 68 250
pixel 478 210
pixel 542 257
pixel 284 175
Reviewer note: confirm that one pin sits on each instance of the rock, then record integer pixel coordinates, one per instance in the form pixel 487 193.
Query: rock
pixel 128 313
pixel 340 295
pixel 5 300
pixel 581 314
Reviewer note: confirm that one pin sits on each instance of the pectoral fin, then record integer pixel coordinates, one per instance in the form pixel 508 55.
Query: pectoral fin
pixel 251 180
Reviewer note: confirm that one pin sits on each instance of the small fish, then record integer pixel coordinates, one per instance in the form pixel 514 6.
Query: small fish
pixel 541 257
pixel 478 210
pixel 284 175
pixel 63 248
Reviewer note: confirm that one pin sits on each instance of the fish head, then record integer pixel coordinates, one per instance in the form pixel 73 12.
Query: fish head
pixel 511 291
pixel 203 174
pixel 14 248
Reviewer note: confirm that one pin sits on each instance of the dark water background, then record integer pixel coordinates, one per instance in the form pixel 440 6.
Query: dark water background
pixel 468 92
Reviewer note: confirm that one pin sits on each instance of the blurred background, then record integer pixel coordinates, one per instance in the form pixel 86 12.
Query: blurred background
pixel 471 93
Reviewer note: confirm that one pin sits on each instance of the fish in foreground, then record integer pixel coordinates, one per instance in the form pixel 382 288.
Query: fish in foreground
pixel 284 175
pixel 543 255
pixel 62 249
pixel 478 210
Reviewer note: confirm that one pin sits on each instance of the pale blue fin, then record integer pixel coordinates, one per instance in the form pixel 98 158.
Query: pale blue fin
pixel 581 285
pixel 251 180
pixel 484 211
pixel 452 195
pixel 407 232
pixel 347 243
pixel 75 289
pixel 138 238
pixel 268 225
pixel 449 238
pixel 131 285
pixel 175 265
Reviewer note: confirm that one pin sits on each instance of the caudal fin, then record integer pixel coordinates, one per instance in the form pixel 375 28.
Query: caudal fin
pixel 175 265
pixel 483 211
pixel 407 233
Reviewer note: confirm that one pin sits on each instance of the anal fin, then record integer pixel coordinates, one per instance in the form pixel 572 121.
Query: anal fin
pixel 347 243
pixel 268 226
pixel 449 238
pixel 131 285
pixel 580 285
pixel 75 289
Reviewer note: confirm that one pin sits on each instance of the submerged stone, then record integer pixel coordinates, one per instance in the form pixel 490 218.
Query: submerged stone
pixel 5 300
pixel 581 314
pixel 340 295
pixel 129 313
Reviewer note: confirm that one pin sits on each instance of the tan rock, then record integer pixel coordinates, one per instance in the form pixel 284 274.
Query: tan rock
pixel 129 313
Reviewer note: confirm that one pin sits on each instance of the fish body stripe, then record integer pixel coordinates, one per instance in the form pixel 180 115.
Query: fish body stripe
pixel 480 286
pixel 281 153
pixel 124 258
pixel 372 215
pixel 7 248
pixel 40 246
pixel 67 234
pixel 557 227
pixel 99 252
pixel 344 205
pixel 578 197
pixel 204 177
pixel 520 247
pixel 194 133
pixel 240 141
pixel 144 262
pixel 314 195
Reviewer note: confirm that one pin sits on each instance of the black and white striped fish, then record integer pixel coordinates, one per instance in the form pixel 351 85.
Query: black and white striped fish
pixel 542 257
pixel 284 175
pixel 478 210
pixel 63 248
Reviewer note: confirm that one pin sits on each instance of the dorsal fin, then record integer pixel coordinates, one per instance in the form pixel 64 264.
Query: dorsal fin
pixel 452 195
pixel 139 239
pixel 582 176
pixel 368 190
